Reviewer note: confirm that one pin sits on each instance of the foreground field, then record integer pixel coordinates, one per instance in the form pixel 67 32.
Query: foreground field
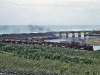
pixel 49 59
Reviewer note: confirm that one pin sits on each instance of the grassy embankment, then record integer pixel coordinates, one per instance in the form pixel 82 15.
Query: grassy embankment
pixel 49 59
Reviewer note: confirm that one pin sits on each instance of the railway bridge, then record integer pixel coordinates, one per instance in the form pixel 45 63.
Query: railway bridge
pixel 79 33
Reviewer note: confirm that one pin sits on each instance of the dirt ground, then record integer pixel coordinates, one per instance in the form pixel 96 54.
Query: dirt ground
pixel 94 41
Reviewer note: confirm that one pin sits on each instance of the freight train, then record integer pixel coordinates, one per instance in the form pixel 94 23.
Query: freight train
pixel 75 45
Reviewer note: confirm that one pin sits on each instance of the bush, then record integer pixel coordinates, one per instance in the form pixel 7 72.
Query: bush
pixel 87 73
pixel 56 56
pixel 87 61
pixel 2 44
pixel 48 56
pixel 3 67
pixel 63 69
pixel 76 60
pixel 66 59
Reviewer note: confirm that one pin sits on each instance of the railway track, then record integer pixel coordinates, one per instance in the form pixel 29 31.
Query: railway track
pixel 14 72
pixel 75 45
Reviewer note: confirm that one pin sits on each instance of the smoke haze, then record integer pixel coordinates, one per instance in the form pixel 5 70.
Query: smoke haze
pixel 8 29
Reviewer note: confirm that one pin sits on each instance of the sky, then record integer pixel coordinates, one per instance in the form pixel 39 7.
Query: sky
pixel 49 12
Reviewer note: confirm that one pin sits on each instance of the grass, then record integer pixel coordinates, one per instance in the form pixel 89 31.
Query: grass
pixel 16 57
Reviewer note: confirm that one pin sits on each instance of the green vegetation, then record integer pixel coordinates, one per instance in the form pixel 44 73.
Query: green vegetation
pixel 51 59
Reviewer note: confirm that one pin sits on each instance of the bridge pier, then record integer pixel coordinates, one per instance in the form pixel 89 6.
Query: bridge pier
pixel 85 34
pixel 73 34
pixel 60 35
pixel 66 35
pixel 79 34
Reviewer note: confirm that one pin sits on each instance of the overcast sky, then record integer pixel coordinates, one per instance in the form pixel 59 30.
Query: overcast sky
pixel 50 12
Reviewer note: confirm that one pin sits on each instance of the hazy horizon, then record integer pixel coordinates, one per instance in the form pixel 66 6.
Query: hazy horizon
pixel 7 29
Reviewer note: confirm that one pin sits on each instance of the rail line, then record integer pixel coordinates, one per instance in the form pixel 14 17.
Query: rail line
pixel 75 45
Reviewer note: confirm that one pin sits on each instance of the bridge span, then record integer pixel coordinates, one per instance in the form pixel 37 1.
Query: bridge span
pixel 79 33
